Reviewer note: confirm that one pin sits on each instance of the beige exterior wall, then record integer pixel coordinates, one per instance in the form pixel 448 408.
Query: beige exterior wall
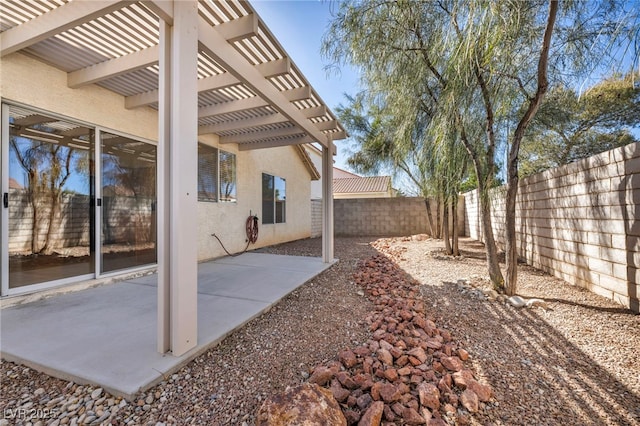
pixel 227 220
pixel 578 222
pixel 35 84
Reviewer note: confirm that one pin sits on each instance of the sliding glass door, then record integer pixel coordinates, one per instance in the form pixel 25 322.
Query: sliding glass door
pixel 128 203
pixel 49 198
pixel 77 201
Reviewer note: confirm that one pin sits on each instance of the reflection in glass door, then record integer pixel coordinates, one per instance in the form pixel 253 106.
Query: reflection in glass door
pixel 128 203
pixel 50 191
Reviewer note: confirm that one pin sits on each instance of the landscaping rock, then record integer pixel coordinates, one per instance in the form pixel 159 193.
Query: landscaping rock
pixel 307 404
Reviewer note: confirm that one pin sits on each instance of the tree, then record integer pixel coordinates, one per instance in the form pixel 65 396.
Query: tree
pixel 480 66
pixel 48 167
pixel 383 142
pixel 570 126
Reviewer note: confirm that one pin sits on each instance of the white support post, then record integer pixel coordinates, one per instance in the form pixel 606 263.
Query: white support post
pixel 163 208
pixel 178 268
pixel 327 203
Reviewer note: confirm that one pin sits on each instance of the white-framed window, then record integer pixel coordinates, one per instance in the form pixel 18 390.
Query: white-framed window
pixel 216 175
pixel 274 196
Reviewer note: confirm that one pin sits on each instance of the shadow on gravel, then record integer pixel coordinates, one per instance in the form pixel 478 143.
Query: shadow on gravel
pixel 538 376
pixel 620 310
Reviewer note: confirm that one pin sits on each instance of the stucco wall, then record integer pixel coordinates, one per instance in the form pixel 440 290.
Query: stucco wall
pixel 227 220
pixel 578 222
pixel 33 83
pixel 398 216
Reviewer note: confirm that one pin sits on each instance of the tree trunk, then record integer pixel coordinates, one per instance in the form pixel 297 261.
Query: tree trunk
pixel 445 228
pixel 454 217
pixel 489 241
pixel 511 244
pixel 438 222
pixel 427 204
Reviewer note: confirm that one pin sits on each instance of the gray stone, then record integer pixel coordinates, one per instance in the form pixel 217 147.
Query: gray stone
pixel 96 393
pixel 517 301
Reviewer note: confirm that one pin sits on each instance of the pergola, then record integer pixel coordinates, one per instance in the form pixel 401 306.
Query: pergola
pixel 206 67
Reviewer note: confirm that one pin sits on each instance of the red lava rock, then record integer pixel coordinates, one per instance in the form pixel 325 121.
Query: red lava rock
pixel 452 363
pixel 402 361
pixel 351 401
pixel 373 415
pixel 375 391
pixel 414 361
pixel 448 408
pixel 463 354
pixel 411 417
pixel 385 356
pixel 346 380
pixel 404 371
pixel 433 344
pixel 469 400
pixel 397 408
pixel 483 391
pixel 429 396
pixel 391 374
pixel 462 378
pixel 348 358
pixel 389 393
pixel 321 375
pixel 339 393
pixel 351 416
pixel 437 366
pixel 388 414
pixel 364 401
pixel 418 353
pixel 436 422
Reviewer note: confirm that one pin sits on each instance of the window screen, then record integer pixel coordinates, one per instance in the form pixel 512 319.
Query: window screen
pixel 207 173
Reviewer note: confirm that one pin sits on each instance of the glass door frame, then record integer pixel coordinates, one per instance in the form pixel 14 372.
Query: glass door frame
pixel 4 212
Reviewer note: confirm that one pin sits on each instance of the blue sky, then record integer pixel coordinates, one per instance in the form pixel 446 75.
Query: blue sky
pixel 299 26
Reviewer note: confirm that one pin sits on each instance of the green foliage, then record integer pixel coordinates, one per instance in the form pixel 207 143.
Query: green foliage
pixel 569 127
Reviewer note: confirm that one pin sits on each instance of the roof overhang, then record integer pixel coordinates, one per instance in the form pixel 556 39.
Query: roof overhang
pixel 249 91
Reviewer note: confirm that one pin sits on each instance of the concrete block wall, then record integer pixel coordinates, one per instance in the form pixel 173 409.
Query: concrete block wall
pixel 316 218
pixel 578 222
pixel 398 216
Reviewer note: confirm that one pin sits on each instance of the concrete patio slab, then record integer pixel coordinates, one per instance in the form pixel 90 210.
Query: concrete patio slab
pixel 106 336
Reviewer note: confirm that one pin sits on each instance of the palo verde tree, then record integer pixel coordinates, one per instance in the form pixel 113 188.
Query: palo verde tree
pixel 482 65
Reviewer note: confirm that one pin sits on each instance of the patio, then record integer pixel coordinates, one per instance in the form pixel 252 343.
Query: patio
pixel 107 335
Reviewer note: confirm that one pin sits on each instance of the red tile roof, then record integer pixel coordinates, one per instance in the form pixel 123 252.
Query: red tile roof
pixel 361 184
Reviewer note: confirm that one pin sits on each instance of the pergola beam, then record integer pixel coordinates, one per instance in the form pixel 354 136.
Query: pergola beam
pixel 231 106
pixel 63 18
pixel 242 124
pixel 113 68
pixel 214 43
pixel 219 81
pixel 274 143
pixel 257 136
pixel 162 8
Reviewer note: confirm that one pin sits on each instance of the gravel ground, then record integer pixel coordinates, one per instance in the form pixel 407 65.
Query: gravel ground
pixel 577 362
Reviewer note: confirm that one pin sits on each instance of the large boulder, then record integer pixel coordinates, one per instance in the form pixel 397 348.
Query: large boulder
pixel 304 405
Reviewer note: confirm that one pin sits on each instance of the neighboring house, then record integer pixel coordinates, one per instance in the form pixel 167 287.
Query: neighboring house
pixel 106 99
pixel 363 187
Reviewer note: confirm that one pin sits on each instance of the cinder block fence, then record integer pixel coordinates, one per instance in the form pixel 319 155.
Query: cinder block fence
pixel 388 217
pixel 579 222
